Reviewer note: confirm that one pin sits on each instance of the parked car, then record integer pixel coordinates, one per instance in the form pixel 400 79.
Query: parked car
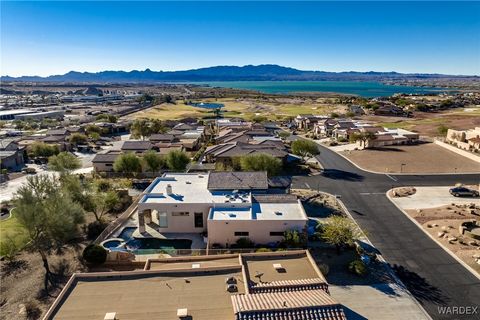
pixel 463 191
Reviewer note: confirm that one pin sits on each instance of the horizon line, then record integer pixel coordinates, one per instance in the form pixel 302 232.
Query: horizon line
pixel 239 66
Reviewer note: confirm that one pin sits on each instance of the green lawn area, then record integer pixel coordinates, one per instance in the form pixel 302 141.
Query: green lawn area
pixel 11 230
pixel 244 108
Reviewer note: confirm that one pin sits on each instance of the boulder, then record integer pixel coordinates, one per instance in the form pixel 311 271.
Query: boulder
pixel 22 309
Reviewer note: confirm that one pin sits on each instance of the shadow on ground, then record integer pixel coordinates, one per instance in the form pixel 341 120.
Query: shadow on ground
pixel 387 149
pixel 379 276
pixel 352 315
pixel 341 175
pixel 14 266
pixel 418 286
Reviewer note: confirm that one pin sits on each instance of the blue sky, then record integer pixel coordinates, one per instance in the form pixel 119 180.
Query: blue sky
pixel 43 38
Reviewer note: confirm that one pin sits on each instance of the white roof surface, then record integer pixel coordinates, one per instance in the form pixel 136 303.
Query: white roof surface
pixel 192 188
pixel 187 188
pixel 260 211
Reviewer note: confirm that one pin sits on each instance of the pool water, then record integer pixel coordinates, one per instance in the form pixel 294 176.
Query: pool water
pixel 127 233
pixel 155 243
pixel 112 244
pixel 138 244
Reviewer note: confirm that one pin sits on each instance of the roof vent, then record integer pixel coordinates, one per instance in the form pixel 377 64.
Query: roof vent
pixel 231 280
pixel 188 182
pixel 169 189
pixel 182 313
pixel 232 287
pixel 278 213
pixel 200 176
pixel 110 316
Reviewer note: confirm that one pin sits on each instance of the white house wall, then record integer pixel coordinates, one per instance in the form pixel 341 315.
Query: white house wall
pixel 222 231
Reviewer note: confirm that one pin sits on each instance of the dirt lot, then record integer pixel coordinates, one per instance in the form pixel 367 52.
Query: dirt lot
pixel 318 205
pixel 22 282
pixel 443 224
pixel 423 158
pixel 428 123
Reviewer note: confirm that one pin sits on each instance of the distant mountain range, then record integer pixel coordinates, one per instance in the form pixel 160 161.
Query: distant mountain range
pixel 227 73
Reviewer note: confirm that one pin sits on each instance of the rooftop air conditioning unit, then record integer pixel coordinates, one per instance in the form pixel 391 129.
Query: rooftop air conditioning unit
pixel 169 189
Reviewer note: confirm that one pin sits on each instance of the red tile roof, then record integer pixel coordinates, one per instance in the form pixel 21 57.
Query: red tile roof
pixel 306 304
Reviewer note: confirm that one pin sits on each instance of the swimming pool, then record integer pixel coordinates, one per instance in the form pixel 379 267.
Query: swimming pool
pixel 160 244
pixel 145 245
pixel 110 244
pixel 127 233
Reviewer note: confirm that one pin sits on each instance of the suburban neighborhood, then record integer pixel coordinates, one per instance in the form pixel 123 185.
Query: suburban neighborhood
pixel 239 160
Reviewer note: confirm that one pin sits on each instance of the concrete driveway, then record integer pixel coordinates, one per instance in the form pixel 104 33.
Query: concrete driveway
pixel 431 197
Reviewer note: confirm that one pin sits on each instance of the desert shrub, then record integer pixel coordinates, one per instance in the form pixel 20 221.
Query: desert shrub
pixel 294 239
pixel 263 250
pixel 324 268
pixel 8 248
pixel 244 243
pixel 342 139
pixel 261 162
pixel 95 254
pixel 442 129
pixel 32 310
pixel 103 185
pixel 357 267
pixel 94 229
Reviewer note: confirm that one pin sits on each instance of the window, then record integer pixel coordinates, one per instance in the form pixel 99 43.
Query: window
pixel 241 233
pixel 276 233
pixel 198 220
pixel 180 214
pixel 162 220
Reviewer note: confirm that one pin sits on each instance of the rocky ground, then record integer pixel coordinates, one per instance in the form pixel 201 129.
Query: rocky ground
pixel 443 223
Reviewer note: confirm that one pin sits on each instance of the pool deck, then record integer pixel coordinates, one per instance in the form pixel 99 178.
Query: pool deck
pixel 197 238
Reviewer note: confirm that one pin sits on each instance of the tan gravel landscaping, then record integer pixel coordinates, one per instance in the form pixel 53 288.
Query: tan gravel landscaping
pixel 422 158
pixel 402 192
pixel 443 223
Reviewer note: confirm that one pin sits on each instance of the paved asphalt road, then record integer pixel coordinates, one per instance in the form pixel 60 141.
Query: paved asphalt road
pixel 432 275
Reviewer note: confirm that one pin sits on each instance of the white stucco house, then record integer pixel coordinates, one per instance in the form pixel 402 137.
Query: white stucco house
pixel 225 205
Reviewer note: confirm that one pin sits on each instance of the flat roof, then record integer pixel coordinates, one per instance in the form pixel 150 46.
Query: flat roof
pixel 187 264
pixel 187 188
pixel 260 211
pixel 295 267
pixel 203 294
pixel 169 284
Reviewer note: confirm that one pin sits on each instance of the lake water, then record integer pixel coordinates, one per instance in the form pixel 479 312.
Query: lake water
pixel 360 88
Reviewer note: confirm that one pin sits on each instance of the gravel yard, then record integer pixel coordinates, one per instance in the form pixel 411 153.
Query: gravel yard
pixel 441 215
pixel 422 158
